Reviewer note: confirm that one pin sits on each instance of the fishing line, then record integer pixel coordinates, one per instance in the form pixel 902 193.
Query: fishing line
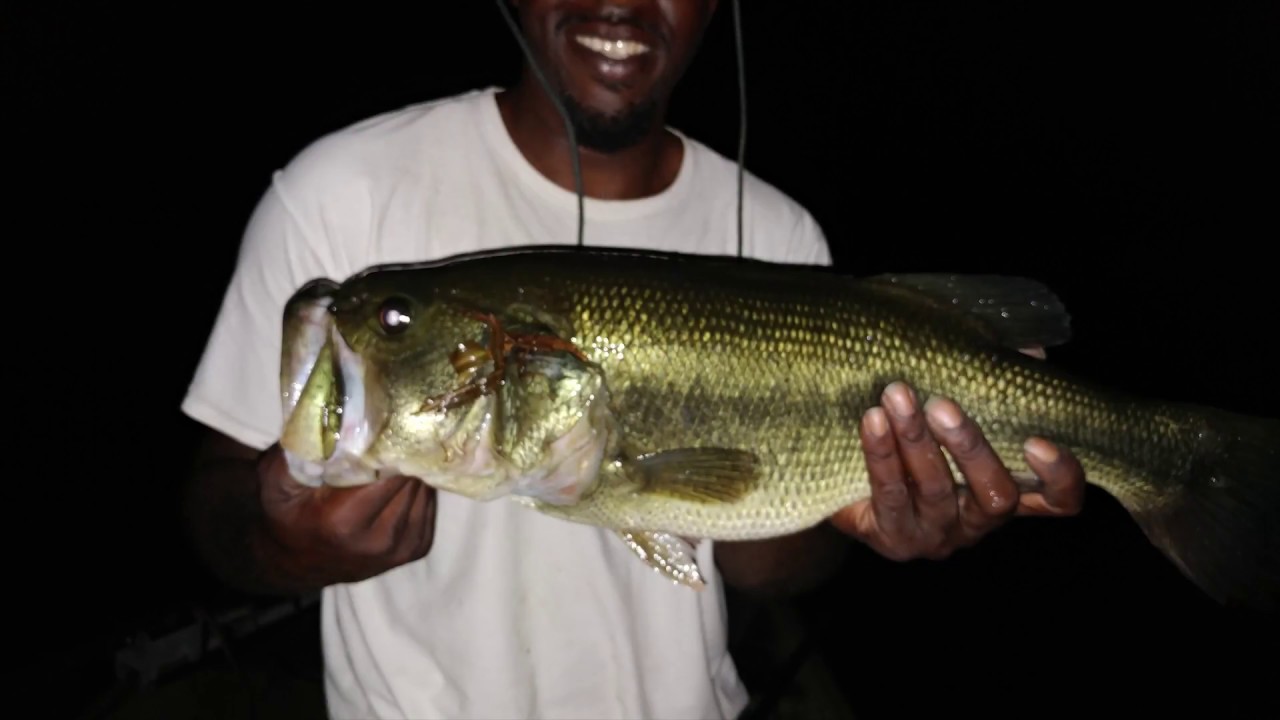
pixel 742 113
pixel 564 114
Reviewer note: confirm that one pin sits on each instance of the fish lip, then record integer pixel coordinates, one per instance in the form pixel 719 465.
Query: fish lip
pixel 308 323
pixel 361 413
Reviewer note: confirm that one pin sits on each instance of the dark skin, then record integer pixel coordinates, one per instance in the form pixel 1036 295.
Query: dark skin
pixel 263 532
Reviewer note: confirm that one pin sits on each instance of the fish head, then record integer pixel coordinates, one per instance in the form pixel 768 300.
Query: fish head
pixel 395 373
pixel 361 363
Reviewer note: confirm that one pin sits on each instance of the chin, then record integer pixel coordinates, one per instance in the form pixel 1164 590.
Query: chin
pixel 609 127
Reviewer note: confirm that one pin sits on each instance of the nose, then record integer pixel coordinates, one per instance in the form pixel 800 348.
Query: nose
pixel 624 10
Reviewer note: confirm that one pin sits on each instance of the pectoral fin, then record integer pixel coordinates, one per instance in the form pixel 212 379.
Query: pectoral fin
pixel 699 474
pixel 670 555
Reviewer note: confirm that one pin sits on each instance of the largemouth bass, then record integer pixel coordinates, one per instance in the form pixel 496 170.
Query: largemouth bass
pixel 669 397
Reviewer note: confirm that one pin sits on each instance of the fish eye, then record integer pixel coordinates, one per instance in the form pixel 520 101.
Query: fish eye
pixel 394 315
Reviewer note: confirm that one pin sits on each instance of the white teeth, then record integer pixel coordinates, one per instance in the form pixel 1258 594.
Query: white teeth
pixel 612 49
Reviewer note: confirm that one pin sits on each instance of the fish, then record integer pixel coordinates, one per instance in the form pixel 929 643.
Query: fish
pixel 668 397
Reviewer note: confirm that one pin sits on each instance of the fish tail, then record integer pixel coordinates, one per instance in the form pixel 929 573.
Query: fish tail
pixel 1219 522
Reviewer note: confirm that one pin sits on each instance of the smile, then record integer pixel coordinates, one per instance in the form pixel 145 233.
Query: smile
pixel 612 49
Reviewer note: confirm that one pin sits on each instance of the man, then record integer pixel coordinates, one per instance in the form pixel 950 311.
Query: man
pixel 435 606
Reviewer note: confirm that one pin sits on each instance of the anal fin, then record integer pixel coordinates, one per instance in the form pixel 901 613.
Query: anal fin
pixel 670 555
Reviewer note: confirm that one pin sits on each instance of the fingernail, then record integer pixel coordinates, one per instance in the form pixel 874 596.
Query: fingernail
pixel 898 397
pixel 877 425
pixel 1041 449
pixel 945 413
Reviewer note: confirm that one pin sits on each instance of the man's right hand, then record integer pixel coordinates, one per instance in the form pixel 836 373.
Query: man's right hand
pixel 329 535
pixel 262 531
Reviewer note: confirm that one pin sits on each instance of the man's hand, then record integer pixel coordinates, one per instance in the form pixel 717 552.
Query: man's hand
pixel 261 531
pixel 916 509
pixel 322 536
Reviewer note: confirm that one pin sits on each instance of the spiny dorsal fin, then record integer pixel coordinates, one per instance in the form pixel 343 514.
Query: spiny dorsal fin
pixel 1019 312
pixel 701 474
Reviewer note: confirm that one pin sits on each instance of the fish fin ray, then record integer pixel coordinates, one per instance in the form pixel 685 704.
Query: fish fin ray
pixel 1016 312
pixel 669 555
pixel 708 475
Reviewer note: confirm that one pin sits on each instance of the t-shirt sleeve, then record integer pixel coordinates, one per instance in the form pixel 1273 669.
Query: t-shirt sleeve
pixel 783 230
pixel 236 385
pixel 808 241
pixel 803 241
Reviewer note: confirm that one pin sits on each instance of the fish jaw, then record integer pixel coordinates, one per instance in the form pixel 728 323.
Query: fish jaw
pixel 331 418
pixel 306 332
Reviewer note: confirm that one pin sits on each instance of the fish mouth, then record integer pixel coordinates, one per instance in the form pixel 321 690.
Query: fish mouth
pixel 328 417
pixel 307 325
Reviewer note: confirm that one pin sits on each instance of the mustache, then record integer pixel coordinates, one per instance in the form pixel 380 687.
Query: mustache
pixel 613 16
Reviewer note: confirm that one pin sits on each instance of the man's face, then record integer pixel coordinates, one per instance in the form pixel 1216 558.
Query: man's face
pixel 614 63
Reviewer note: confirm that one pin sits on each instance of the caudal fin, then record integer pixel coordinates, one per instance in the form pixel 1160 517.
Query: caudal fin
pixel 1221 526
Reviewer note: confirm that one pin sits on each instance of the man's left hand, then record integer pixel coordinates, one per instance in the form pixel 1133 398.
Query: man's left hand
pixel 916 510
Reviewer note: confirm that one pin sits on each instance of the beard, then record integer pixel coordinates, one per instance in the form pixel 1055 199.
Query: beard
pixel 609 133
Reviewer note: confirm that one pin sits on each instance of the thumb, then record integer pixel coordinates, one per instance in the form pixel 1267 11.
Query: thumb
pixel 277 486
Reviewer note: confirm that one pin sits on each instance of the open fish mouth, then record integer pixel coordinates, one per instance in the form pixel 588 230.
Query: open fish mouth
pixel 327 416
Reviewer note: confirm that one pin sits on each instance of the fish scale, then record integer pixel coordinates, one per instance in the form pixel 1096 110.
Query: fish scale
pixel 801 414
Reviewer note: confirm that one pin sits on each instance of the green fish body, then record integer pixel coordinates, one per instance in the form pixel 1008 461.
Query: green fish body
pixel 671 396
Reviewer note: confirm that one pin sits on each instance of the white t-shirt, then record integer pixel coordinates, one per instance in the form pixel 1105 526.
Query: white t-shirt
pixel 512 614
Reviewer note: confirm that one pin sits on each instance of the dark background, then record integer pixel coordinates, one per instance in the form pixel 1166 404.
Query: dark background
pixel 1124 153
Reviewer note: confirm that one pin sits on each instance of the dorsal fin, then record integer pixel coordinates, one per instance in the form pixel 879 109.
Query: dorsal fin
pixel 1018 312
